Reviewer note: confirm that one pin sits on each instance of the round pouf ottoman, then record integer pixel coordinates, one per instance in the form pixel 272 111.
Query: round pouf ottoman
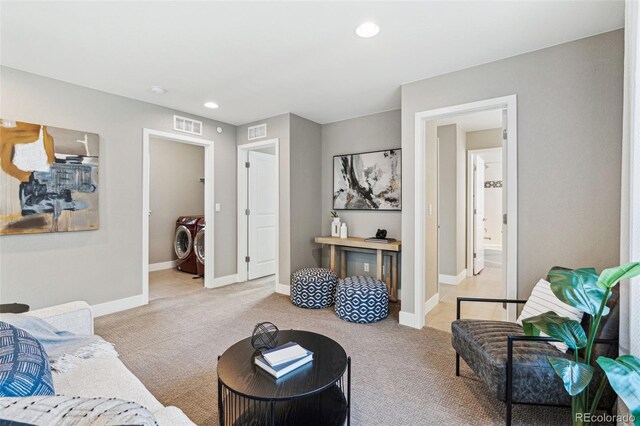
pixel 362 299
pixel 313 288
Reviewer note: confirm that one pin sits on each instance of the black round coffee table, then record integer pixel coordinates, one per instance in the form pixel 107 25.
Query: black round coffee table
pixel 314 394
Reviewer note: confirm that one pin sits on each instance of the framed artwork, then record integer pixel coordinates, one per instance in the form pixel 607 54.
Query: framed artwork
pixel 48 179
pixel 368 181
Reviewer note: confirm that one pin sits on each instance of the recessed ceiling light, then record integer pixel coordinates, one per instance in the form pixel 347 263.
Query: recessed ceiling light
pixel 367 29
pixel 158 90
pixel 211 105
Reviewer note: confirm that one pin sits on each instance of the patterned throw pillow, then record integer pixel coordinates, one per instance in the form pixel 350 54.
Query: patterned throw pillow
pixel 543 300
pixel 63 410
pixel 24 366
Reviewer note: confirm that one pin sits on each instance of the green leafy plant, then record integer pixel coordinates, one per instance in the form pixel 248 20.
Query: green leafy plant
pixel 589 292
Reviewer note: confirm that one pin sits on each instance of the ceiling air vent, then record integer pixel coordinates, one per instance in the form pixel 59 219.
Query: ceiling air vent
pixel 257 132
pixel 187 125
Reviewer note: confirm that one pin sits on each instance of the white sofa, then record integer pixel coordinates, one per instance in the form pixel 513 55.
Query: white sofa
pixel 101 377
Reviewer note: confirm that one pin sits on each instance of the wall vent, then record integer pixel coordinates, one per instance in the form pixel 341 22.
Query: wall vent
pixel 257 132
pixel 187 125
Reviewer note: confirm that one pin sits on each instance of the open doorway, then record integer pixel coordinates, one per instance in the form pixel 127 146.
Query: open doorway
pixel 258 206
pixel 451 196
pixel 470 209
pixel 177 211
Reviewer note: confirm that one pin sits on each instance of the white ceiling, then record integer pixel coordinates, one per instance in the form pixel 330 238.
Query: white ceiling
pixel 266 58
pixel 482 120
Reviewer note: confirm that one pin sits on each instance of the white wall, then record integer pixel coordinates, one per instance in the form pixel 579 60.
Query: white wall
pixel 175 190
pixel 569 152
pixel 493 201
pixel 484 139
pixel 103 265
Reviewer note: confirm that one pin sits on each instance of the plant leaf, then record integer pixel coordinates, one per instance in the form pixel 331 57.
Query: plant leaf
pixel 578 288
pixel 562 328
pixel 624 377
pixel 575 375
pixel 610 277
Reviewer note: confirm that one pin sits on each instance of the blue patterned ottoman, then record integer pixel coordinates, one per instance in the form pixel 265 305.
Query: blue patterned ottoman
pixel 362 299
pixel 313 288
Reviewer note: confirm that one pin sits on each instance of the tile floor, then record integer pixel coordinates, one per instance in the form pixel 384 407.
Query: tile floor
pixel 486 284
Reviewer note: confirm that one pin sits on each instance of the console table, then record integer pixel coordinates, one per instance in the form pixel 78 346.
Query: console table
pixel 317 394
pixel 357 244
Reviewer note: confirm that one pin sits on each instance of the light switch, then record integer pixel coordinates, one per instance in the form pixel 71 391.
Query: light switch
pixel 217 207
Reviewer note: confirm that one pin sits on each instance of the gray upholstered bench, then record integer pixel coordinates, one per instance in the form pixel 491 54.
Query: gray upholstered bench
pixel 362 299
pixel 313 288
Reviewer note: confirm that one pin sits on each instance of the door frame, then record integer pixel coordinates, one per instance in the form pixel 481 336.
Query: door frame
pixel 243 231
pixel 420 207
pixel 470 225
pixel 209 198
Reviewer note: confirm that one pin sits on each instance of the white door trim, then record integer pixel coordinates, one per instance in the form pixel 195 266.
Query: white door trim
pixel 510 104
pixel 147 134
pixel 242 198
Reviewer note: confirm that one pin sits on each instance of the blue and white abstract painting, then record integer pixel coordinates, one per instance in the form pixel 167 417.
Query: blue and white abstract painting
pixel 368 181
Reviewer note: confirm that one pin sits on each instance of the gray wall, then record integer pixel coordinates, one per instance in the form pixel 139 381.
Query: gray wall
pixel 447 199
pixel 306 192
pixel 451 200
pixel 569 151
pixel 175 190
pixel 278 127
pixel 369 133
pixel 103 265
pixel 484 139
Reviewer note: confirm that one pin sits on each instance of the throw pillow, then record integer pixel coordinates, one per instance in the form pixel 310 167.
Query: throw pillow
pixel 543 300
pixel 73 410
pixel 24 365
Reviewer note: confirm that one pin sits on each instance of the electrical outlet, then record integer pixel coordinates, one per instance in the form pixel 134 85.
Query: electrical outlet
pixel 366 267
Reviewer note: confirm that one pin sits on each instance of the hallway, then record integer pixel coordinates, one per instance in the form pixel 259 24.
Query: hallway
pixel 487 284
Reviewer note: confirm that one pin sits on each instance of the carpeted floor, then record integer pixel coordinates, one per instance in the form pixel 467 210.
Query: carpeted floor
pixel 401 376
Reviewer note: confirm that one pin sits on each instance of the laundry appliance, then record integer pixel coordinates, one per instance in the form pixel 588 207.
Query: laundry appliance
pixel 186 229
pixel 198 247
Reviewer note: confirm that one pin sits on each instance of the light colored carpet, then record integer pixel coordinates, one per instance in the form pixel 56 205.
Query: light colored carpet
pixel 401 376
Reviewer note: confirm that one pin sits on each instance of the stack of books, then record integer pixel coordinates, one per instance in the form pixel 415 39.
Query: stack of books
pixel 283 359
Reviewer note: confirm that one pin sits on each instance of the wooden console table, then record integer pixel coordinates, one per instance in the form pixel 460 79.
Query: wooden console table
pixel 381 250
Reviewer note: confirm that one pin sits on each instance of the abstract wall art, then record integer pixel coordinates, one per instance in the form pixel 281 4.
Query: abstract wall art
pixel 368 181
pixel 48 179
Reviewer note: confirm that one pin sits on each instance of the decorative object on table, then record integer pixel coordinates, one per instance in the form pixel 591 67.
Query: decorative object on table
pixel 13 308
pixel 265 336
pixel 25 365
pixel 362 300
pixel 343 231
pixel 283 359
pixel 381 237
pixel 368 181
pixel 589 292
pixel 313 288
pixel 49 179
pixel 335 224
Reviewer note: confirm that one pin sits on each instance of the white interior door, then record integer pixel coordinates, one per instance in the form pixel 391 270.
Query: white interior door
pixel 478 215
pixel 261 217
pixel 504 206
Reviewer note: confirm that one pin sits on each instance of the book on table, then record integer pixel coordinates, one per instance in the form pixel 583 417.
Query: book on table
pixel 290 364
pixel 283 354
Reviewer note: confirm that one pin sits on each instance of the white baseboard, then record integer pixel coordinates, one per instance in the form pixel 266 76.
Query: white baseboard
pixel 107 308
pixel 283 289
pixel 452 279
pixel 162 265
pixel 226 280
pixel 431 303
pixel 492 263
pixel 408 319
